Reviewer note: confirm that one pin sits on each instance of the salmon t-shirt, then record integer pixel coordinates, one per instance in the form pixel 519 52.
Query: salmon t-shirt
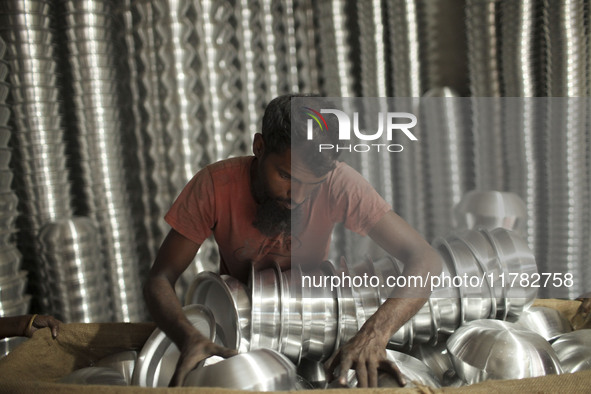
pixel 218 201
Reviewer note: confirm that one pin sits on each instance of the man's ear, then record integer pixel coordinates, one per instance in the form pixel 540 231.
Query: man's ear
pixel 258 145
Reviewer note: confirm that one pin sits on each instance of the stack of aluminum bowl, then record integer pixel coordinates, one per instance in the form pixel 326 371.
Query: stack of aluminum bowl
pixel 41 177
pixel 500 272
pixel 490 209
pixel 71 256
pixel 99 171
pixel 303 314
pixel 13 301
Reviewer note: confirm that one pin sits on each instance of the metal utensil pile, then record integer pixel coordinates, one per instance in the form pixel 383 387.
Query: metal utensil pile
pixel 98 171
pixel 39 162
pixel 13 301
pixel 70 254
pixel 291 314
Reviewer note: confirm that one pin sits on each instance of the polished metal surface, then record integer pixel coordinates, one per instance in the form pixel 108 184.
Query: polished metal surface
pixel 122 362
pixel 95 376
pixel 259 370
pixel 574 350
pixel 9 344
pixel 491 209
pixel 493 349
pixel 158 357
pixel 547 322
pixel 266 310
pixel 313 372
pixel 438 360
pixel 229 303
pixel 72 264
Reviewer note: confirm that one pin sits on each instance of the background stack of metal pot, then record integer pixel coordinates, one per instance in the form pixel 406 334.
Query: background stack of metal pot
pixel 13 280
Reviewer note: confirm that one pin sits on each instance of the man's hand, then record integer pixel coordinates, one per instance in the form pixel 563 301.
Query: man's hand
pixel 195 349
pixel 42 321
pixel 366 353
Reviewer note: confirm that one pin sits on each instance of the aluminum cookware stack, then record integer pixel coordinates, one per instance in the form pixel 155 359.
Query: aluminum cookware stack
pixel 71 255
pixel 13 300
pixel 39 153
pixel 299 315
pixel 99 170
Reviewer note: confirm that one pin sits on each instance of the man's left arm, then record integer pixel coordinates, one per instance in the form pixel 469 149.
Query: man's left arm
pixel 366 351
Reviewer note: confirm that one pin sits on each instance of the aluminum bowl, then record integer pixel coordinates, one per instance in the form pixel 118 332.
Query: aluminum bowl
pixel 548 322
pixel 157 360
pixel 25 20
pixel 29 6
pixel 14 308
pixel 260 370
pixel 3 70
pixel 494 349
pixel 491 209
pixel 95 376
pixel 265 324
pixel 291 315
pixel 5 155
pixel 230 304
pixel 34 35
pixel 122 362
pixel 574 350
pixel 5 134
pixel 9 344
pixel 515 257
pixel 17 50
pixel 76 6
pixel 37 66
pixel 25 94
pixel 313 372
pixel 10 261
pixel 12 287
pixel 437 359
pixel 46 79
pixel 88 19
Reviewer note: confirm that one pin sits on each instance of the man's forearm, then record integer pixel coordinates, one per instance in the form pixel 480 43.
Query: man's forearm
pixel 166 309
pixel 390 316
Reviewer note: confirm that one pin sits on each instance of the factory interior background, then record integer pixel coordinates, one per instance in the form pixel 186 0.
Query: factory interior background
pixel 109 107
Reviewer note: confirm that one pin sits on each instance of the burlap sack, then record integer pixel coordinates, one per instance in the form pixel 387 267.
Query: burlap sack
pixel 39 363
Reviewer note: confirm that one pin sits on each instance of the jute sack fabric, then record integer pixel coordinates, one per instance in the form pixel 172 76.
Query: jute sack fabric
pixel 37 365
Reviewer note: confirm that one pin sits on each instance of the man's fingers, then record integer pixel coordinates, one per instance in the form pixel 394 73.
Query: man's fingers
pixel 345 365
pixel 391 368
pixel 361 372
pixel 54 331
pixel 372 374
pixel 184 366
pixel 225 352
pixel 331 363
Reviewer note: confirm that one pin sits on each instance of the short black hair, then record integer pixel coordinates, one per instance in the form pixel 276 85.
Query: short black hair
pixel 279 136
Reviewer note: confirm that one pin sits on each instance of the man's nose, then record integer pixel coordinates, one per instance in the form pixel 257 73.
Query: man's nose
pixel 298 193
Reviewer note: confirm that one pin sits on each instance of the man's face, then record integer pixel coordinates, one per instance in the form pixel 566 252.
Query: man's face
pixel 282 183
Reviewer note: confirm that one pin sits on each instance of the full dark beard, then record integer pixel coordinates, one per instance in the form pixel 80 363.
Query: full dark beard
pixel 272 218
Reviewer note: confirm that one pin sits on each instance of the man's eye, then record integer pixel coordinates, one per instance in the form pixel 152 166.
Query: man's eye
pixel 285 176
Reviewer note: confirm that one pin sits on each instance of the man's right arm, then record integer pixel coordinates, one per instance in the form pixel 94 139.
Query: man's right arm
pixel 173 258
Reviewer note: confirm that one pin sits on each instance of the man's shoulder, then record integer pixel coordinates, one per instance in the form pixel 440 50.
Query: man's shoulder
pixel 230 170
pixel 231 164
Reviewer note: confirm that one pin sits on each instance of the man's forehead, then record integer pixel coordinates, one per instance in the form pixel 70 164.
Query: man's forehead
pixel 301 170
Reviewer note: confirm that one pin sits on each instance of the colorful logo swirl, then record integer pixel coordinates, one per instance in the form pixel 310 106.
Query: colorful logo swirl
pixel 318 118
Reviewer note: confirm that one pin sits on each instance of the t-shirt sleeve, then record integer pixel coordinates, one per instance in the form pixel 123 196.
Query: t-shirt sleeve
pixel 357 204
pixel 193 212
